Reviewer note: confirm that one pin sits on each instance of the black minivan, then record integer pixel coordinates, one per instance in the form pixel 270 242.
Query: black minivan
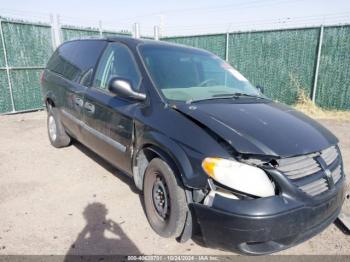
pixel 216 160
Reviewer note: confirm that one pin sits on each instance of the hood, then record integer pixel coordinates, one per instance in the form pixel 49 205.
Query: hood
pixel 262 128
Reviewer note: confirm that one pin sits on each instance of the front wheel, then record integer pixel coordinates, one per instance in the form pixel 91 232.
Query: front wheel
pixel 165 199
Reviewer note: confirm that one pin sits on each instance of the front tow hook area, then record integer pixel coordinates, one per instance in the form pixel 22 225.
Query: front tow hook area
pixel 343 221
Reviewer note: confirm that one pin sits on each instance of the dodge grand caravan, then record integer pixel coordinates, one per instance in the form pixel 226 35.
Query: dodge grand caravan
pixel 215 159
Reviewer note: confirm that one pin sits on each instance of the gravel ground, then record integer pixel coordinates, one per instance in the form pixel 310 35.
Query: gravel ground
pixel 51 200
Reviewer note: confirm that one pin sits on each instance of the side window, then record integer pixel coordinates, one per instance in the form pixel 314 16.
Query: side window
pixel 76 60
pixel 117 60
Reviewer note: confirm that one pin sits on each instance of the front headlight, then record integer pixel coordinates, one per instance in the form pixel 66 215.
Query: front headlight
pixel 236 175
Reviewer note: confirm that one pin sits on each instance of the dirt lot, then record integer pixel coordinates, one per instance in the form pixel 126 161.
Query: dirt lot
pixel 51 199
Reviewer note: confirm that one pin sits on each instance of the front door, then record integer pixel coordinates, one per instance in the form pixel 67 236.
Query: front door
pixel 109 118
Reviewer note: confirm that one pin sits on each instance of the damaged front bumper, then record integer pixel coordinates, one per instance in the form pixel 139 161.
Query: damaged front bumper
pixel 264 225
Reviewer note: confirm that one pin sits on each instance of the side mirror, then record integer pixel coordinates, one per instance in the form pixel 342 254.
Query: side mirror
pixel 122 87
pixel 260 88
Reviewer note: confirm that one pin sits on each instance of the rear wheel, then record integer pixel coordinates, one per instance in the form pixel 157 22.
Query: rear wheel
pixel 57 135
pixel 165 199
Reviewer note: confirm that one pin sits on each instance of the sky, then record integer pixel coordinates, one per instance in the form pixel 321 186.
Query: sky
pixel 183 17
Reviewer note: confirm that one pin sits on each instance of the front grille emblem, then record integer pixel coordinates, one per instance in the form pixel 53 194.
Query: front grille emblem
pixel 328 173
pixel 325 169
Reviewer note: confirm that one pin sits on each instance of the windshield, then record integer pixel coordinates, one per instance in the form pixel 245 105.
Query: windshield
pixel 186 74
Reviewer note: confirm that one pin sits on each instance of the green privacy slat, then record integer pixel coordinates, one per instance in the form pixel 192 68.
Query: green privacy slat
pixel 281 61
pixel 74 33
pixel 26 89
pixel 27 45
pixel 212 43
pixel 5 98
pixel 333 89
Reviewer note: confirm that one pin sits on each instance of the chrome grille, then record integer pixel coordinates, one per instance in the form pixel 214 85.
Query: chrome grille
pixel 329 155
pixel 336 174
pixel 305 168
pixel 316 187
pixel 297 167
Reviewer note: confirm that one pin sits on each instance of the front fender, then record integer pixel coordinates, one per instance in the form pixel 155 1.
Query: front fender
pixel 172 152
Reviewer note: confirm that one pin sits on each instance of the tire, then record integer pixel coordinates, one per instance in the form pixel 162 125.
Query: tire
pixel 167 218
pixel 57 135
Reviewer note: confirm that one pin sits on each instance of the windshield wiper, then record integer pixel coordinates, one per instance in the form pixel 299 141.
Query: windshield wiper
pixel 235 95
pixel 224 96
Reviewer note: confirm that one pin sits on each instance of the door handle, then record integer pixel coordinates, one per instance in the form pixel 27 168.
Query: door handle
pixel 78 101
pixel 89 107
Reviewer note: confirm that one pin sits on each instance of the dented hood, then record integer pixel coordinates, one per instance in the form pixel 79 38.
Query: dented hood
pixel 266 128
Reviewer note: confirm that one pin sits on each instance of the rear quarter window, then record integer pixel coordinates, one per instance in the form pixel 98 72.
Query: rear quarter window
pixel 76 60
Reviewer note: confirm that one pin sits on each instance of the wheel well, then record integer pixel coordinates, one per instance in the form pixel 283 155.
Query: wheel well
pixel 144 157
pixel 49 102
pixel 150 153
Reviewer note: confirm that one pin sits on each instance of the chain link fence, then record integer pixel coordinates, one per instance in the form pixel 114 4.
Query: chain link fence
pixel 284 61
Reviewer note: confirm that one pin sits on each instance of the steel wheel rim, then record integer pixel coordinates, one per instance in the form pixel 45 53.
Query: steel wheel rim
pixel 52 128
pixel 160 197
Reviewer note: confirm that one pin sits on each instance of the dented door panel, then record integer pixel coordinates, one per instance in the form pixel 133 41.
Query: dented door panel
pixel 109 127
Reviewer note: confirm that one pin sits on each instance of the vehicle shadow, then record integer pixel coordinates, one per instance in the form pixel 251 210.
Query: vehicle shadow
pixel 111 169
pixel 196 235
pixel 92 239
